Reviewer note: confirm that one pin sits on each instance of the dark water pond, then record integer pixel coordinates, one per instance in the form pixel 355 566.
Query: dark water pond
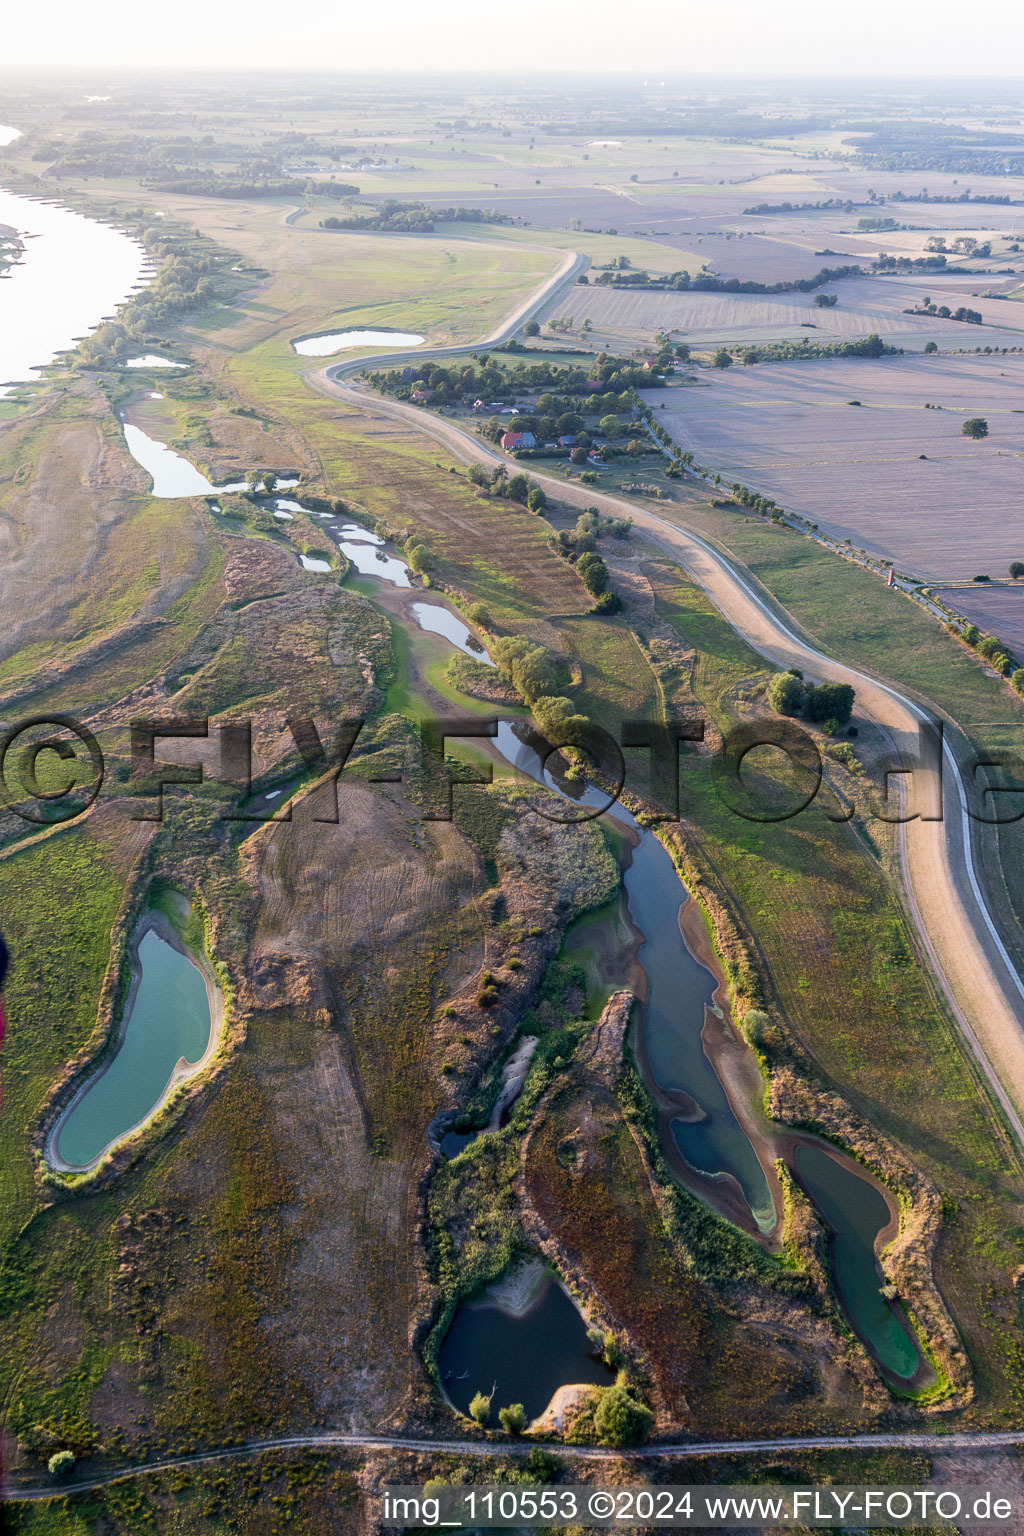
pixel 526 1359
pixel 855 1212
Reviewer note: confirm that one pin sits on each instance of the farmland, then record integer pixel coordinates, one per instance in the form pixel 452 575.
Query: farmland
pixel 866 305
pixel 892 473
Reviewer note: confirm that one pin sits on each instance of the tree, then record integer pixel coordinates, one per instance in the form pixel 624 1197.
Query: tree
pixel 1016 568
pixel 480 614
pixel 480 475
pixel 568 423
pixel 722 359
pixel 593 573
pixel 620 1419
pixel 608 602
pixel 60 1463
pixel 518 488
pixel 930 347
pixel 830 702
pixel 976 427
pixel 480 1408
pixel 513 1418
pixel 531 328
pixel 578 455
pixel 1017 679
pixel 536 500
pixel 785 692
pixel 608 426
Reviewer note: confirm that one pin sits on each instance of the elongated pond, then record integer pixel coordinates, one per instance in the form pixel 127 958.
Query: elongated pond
pixel 346 341
pixel 168 1030
pixel 855 1213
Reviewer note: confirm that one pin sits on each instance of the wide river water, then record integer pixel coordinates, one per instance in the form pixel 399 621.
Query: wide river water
pixel 74 273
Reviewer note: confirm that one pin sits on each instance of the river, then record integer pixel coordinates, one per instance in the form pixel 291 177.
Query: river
pixel 74 273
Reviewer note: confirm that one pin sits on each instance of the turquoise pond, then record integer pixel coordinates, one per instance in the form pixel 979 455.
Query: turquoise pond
pixel 169 1022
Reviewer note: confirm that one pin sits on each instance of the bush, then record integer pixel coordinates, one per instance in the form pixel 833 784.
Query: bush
pixel 830 702
pixel 722 359
pixel 512 1418
pixel 593 573
pixel 536 500
pixel 480 1408
pixel 1016 568
pixel 785 693
pixel 518 488
pixel 608 602
pixel 60 1463
pixel 480 614
pixel 1017 679
pixel 619 1419
pixel 531 328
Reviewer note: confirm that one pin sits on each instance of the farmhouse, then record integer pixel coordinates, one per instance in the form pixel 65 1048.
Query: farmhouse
pixel 512 440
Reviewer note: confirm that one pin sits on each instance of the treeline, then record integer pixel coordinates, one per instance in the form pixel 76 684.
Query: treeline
pixel 844 205
pixel 411 218
pixel 788 351
pixel 943 312
pixel 229 186
pixel 706 282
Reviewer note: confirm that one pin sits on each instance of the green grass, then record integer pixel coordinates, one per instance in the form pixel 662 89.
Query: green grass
pixel 59 900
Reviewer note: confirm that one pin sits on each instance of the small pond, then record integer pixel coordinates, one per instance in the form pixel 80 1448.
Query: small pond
pixel 855 1212
pixel 344 341
pixel 168 1029
pixel 526 1355
pixel 439 621
pixel 311 563
pixel 152 361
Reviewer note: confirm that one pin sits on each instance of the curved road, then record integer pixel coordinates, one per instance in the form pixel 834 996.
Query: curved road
pixel 660 1451
pixel 977 974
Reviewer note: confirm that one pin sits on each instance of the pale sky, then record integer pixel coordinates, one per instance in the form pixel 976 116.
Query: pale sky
pixel 873 37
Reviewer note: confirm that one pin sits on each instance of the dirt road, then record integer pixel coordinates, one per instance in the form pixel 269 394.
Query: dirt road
pixel 327 1440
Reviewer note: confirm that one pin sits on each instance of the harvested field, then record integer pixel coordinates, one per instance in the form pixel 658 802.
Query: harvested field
pixel 998 610
pixel 866 305
pixel 789 431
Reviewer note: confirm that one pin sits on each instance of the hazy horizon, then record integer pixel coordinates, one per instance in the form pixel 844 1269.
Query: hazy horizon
pixel 740 38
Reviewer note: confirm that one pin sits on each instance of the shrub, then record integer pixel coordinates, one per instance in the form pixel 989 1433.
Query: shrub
pixel 785 692
pixel 831 702
pixel 480 1408
pixel 619 1419
pixel 1017 679
pixel 60 1463
pixel 479 613
pixel 487 997
pixel 512 1418
pixel 518 488
pixel 536 500
pixel 608 602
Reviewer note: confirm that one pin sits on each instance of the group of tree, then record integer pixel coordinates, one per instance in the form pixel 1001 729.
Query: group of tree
pixel 826 704
pixel 533 672
pixel 563 388
pixel 707 282
pixel 943 312
pixel 789 351
pixel 393 216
